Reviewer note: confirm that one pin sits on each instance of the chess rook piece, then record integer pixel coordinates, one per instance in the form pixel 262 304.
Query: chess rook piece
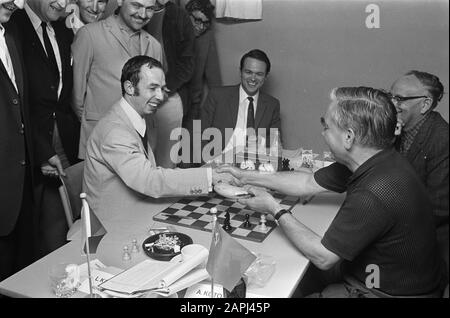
pixel 126 254
pixel 247 223
pixel 134 246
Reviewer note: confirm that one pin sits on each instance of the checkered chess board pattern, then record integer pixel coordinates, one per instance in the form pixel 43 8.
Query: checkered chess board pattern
pixel 196 209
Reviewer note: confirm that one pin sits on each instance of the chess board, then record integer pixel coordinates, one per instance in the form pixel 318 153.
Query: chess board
pixel 193 212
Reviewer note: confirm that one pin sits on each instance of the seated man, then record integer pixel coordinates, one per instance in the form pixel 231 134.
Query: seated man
pixel 385 224
pixel 424 141
pixel 243 106
pixel 120 168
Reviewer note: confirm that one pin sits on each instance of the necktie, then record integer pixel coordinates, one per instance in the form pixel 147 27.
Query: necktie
pixel 49 49
pixel 144 140
pixel 250 114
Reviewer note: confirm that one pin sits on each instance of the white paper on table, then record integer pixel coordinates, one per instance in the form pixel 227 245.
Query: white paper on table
pixel 150 275
pixel 98 277
pixel 193 277
pixel 183 267
pixel 203 290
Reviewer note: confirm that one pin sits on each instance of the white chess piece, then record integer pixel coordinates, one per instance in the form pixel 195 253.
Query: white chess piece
pixel 126 254
pixel 134 246
pixel 262 222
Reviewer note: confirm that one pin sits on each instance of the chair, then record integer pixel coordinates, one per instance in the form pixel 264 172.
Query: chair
pixel 70 189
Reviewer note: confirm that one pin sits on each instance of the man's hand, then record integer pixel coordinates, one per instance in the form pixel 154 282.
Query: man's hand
pixel 238 174
pixel 223 177
pixel 53 167
pixel 262 201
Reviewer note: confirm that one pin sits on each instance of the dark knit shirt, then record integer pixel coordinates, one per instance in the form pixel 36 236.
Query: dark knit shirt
pixel 386 220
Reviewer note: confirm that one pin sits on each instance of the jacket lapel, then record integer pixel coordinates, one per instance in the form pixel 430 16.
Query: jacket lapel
pixel 115 31
pixel 260 109
pixel 421 137
pixel 16 62
pixel 32 36
pixel 123 117
pixel 233 103
pixel 145 42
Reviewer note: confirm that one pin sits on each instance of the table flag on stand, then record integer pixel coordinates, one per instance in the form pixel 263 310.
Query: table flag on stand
pixel 228 259
pixel 93 230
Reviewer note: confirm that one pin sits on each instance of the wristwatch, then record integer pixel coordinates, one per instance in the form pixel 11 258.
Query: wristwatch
pixel 280 213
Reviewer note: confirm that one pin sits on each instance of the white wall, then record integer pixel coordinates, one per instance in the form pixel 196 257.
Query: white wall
pixel 317 45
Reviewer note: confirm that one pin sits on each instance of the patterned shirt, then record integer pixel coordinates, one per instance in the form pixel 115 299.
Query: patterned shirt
pixel 407 137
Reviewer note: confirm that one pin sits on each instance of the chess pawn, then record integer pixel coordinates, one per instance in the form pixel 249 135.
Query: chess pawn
pixel 262 223
pixel 126 254
pixel 134 246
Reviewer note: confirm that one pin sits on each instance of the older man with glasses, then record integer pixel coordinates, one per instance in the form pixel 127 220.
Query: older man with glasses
pixel 424 142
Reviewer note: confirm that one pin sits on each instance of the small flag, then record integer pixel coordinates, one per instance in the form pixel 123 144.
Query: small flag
pixel 228 260
pixel 93 229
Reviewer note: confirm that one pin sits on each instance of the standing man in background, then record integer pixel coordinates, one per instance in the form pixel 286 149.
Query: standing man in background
pixel 100 50
pixel 172 27
pixel 86 11
pixel 17 226
pixel 46 47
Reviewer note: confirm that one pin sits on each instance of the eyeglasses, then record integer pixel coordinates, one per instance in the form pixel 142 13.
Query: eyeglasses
pixel 205 24
pixel 401 99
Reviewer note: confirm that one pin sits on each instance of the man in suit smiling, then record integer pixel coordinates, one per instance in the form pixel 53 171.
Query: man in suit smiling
pixel 46 49
pixel 243 106
pixel 120 169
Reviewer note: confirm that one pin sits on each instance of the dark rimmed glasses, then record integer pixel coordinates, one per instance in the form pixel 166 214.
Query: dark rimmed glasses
pixel 199 21
pixel 401 99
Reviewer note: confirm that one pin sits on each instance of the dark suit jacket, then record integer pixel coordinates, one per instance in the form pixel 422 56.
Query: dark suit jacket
pixel 15 140
pixel 221 111
pixel 45 106
pixel 178 37
pixel 428 155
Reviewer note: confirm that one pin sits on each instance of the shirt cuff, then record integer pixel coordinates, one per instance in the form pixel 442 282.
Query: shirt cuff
pixel 209 177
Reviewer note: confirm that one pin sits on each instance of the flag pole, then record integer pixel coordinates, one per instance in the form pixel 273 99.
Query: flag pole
pixel 214 220
pixel 87 224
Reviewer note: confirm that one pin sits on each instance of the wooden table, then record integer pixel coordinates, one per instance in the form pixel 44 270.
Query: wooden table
pixel 291 265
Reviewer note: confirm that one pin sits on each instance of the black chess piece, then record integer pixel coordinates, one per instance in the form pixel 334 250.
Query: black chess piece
pixel 226 223
pixel 285 164
pixel 247 223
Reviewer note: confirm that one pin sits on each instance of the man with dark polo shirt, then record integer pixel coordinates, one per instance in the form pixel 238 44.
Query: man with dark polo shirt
pixel 385 225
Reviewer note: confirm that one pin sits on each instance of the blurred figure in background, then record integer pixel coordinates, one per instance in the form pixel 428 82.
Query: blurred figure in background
pixel 206 71
pixel 83 12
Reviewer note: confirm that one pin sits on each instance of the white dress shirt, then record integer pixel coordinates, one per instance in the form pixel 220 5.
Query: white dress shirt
pixel 6 57
pixel 238 138
pixel 36 22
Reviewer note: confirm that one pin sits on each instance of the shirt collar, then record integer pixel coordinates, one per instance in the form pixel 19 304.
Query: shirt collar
pixel 2 30
pixel 35 20
pixel 137 121
pixel 124 29
pixel 371 162
pixel 243 96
